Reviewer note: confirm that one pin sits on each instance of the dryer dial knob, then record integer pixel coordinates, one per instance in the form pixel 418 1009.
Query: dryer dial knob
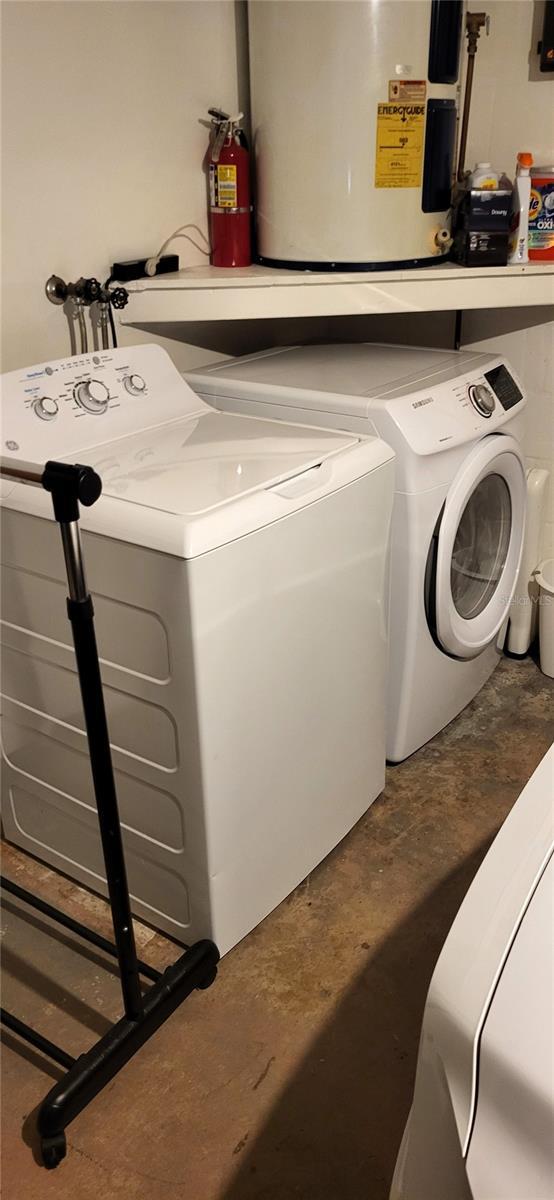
pixel 482 399
pixel 45 408
pixel 92 395
pixel 134 384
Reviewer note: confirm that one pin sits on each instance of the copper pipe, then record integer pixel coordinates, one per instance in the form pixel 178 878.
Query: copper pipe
pixel 474 24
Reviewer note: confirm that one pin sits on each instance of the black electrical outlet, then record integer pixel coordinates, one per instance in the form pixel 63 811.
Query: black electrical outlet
pixel 135 268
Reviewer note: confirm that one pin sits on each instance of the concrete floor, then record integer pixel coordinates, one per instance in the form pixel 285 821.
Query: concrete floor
pixel 292 1076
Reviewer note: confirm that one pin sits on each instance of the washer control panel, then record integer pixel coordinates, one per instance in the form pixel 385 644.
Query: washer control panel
pixel 63 407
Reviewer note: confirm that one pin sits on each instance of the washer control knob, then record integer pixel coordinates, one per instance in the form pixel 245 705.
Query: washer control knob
pixel 482 399
pixel 92 395
pixel 45 408
pixel 134 384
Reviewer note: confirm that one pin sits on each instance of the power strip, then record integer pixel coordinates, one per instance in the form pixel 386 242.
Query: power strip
pixel 135 268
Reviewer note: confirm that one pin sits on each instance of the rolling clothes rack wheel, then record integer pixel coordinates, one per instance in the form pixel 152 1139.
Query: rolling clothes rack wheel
pixel 85 1076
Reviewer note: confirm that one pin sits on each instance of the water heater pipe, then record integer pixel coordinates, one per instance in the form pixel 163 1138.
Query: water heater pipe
pixel 474 24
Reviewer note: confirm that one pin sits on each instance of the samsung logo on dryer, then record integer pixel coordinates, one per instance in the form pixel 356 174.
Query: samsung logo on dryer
pixel 420 403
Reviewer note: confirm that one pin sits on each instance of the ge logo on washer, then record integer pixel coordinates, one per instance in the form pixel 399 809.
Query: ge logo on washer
pixel 12 445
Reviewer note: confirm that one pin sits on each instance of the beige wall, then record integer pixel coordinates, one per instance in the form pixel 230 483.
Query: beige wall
pixel 513 109
pixel 102 146
pixel 512 102
pixel 526 339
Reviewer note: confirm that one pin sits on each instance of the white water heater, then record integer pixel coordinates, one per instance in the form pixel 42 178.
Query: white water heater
pixel 354 110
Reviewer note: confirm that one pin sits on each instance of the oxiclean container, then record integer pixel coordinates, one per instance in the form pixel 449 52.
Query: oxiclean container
pixel 541 214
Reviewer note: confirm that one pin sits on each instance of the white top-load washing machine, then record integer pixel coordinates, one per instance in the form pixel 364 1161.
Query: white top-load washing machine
pixel 482 1116
pixel 239 597
pixel 454 419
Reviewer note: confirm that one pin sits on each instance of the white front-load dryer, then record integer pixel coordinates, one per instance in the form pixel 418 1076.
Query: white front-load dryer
pixel 239 599
pixel 454 419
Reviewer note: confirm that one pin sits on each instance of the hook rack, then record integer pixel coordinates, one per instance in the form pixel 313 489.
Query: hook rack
pixel 87 293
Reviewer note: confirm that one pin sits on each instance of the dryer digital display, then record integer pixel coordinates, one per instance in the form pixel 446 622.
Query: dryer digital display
pixel 504 386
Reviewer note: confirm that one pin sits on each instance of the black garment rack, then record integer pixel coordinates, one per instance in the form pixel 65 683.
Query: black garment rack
pixel 86 1075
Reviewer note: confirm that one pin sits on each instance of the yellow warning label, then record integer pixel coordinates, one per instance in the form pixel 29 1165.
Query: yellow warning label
pixel 399 151
pixel 227 187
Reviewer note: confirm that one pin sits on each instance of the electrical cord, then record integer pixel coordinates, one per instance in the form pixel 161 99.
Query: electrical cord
pixel 110 314
pixel 152 263
pixel 112 328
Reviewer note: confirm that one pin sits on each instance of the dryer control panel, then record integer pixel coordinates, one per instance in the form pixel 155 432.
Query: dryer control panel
pixel 64 407
pixel 448 409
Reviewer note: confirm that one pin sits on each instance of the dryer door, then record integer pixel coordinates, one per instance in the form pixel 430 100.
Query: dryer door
pixel 479 547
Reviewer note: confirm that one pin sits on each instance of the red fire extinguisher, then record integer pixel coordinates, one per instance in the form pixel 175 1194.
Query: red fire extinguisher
pixel 229 181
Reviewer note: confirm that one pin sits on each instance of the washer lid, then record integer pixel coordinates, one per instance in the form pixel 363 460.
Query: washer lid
pixel 193 466
pixel 194 484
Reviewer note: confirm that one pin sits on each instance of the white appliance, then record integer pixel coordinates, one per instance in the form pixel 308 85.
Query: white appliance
pixel 524 609
pixel 454 420
pixel 238 590
pixel 483 1110
pixel 354 127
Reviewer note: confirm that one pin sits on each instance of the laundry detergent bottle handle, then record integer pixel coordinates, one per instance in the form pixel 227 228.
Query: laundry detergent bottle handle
pixel 519 230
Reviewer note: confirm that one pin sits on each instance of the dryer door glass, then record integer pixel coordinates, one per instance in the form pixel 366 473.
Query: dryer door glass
pixel 481 546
